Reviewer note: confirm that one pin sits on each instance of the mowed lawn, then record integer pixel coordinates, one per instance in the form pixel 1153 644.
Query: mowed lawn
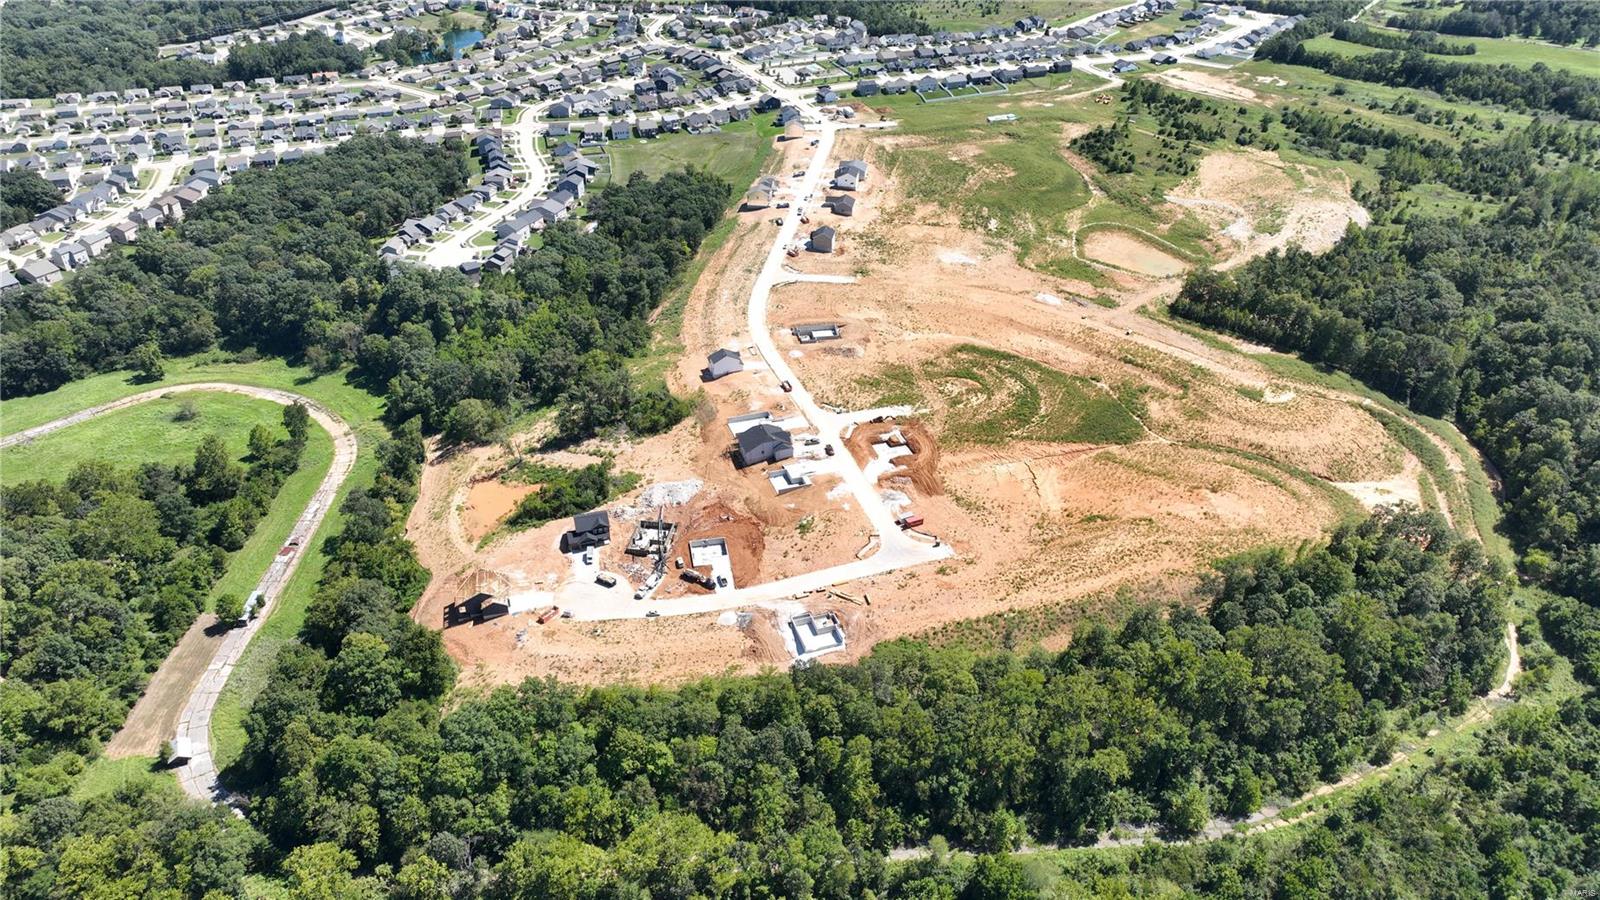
pixel 153 431
pixel 738 153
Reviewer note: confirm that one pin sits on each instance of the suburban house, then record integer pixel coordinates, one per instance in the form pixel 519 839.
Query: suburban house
pixel 822 239
pixel 720 363
pixel 589 530
pixel 39 271
pixel 842 205
pixel 762 443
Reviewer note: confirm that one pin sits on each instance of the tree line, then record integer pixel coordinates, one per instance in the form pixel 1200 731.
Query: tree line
pixel 1427 42
pixel 24 194
pixel 1556 21
pixel 796 784
pixel 1513 817
pixel 1493 323
pixel 112 45
pixel 1537 87
pixel 880 16
pixel 282 262
pixel 104 571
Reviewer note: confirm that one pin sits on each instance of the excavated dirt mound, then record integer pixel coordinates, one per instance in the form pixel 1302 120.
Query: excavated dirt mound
pixel 921 468
pixel 719 520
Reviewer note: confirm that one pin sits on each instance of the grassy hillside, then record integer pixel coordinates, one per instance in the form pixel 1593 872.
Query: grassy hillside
pixel 160 431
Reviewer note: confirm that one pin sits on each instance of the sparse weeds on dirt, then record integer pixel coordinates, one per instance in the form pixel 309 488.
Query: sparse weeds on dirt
pixel 1348 508
pixel 894 385
pixel 1433 460
pixel 998 398
pixel 1068 266
pixel 1011 184
pixel 1023 628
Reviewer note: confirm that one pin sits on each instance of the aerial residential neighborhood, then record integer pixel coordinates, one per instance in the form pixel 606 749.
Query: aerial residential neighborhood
pixel 819 449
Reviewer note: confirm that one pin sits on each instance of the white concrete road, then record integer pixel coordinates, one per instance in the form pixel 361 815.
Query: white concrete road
pixel 198 773
pixel 458 247
pixel 895 548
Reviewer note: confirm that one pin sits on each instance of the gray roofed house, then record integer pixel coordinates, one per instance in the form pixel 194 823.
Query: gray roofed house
pixel 822 239
pixel 39 271
pixel 842 205
pixel 17 236
pixel 855 167
pixel 589 530
pixel 720 363
pixel 762 443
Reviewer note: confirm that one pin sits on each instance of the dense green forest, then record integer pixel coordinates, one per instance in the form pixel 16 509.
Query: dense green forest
pixel 1556 21
pixel 56 46
pixel 298 54
pixel 410 47
pixel 282 261
pixel 1495 323
pixel 795 784
pixel 24 194
pixel 1516 818
pixel 103 572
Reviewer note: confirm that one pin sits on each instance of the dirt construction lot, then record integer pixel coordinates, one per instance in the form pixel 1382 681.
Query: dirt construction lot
pixel 1064 448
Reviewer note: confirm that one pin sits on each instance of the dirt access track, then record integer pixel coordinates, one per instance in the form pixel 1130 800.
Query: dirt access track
pixel 1047 526
pixel 178 701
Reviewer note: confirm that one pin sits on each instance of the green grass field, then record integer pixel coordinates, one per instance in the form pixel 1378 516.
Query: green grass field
pixel 358 408
pixel 997 398
pixel 738 153
pixel 970 15
pixel 1007 179
pixel 149 432
pixel 1491 51
pixel 105 775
